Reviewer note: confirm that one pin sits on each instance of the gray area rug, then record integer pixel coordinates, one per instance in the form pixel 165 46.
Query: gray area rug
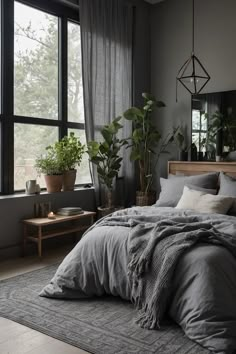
pixel 99 325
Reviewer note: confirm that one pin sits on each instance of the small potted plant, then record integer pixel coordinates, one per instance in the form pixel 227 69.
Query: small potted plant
pixel 52 168
pixel 105 155
pixel 69 151
pixel 146 146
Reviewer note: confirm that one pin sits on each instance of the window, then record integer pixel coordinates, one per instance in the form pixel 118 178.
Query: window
pixel 199 129
pixel 42 100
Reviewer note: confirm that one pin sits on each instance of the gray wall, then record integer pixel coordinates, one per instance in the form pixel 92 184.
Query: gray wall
pixel 215 29
pixel 141 51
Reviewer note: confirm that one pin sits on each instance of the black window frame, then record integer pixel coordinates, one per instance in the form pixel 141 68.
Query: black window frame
pixel 7 118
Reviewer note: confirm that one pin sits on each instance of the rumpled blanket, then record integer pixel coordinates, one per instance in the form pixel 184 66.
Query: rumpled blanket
pixel 154 249
pixel 200 296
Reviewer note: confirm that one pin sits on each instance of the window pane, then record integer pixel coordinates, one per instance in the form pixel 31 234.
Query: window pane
pixel 202 146
pixel 29 143
pixel 35 63
pixel 196 117
pixel 75 85
pixel 203 122
pixel 195 139
pixel 83 173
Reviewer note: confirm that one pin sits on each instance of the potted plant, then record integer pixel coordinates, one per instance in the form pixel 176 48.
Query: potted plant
pixel 52 168
pixel 146 146
pixel 221 132
pixel 105 155
pixel 69 151
pixel 179 139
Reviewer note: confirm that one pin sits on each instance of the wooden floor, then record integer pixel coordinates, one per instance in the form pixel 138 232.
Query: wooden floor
pixel 18 339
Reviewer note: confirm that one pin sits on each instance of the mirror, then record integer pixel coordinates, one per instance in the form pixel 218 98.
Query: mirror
pixel 213 126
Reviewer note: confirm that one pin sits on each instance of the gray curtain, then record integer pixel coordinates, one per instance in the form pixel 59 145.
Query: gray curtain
pixel 106 37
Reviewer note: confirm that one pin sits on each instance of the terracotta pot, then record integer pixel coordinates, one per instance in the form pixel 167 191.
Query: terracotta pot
pixel 143 198
pixel 68 182
pixel 53 183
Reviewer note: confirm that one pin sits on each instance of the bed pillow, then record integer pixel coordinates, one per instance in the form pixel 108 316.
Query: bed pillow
pixel 228 187
pixel 203 202
pixel 172 188
pixel 200 189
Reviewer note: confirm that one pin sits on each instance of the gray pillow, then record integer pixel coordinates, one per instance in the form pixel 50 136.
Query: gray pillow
pixel 200 189
pixel 228 187
pixel 172 188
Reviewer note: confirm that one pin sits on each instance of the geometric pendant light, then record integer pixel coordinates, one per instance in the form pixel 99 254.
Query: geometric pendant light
pixel 192 74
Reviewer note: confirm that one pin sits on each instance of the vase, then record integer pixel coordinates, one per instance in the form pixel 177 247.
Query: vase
pixel 68 182
pixel 231 156
pixel 200 156
pixel 193 152
pixel 183 155
pixel 53 183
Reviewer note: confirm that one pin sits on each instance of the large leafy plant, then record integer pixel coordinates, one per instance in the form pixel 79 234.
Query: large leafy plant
pixel 146 142
pixel 219 123
pixel 105 155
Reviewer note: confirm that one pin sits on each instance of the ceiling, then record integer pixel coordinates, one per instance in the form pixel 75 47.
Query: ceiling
pixel 153 1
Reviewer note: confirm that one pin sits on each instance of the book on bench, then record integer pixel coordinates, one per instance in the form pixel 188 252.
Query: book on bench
pixel 69 211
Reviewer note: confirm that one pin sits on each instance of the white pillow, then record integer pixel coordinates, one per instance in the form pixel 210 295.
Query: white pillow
pixel 203 202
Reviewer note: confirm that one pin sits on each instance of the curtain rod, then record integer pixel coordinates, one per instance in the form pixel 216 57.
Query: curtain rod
pixel 71 3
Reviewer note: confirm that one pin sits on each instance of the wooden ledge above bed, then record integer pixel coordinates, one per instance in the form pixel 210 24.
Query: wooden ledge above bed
pixel 189 168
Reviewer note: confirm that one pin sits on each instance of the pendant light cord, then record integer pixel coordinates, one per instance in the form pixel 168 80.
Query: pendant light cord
pixel 185 75
pixel 193 26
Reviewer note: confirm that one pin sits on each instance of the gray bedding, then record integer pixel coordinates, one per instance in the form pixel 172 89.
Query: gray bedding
pixel 200 290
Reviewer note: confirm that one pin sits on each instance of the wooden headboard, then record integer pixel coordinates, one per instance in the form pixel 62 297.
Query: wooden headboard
pixel 189 168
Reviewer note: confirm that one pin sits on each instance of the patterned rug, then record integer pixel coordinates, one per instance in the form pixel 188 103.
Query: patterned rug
pixel 99 325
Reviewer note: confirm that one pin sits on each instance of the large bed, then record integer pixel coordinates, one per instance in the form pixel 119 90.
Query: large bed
pixel 167 260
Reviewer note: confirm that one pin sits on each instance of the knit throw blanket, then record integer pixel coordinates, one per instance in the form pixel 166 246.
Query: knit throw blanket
pixel 154 250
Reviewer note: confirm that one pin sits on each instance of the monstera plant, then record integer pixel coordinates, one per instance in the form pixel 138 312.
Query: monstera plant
pixel 105 155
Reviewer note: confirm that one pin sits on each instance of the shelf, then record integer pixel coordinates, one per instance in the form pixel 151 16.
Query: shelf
pixel 63 229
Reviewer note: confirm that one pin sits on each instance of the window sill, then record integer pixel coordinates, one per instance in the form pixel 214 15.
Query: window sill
pixel 43 193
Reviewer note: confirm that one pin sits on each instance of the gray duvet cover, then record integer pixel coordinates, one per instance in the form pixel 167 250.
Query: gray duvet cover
pixel 203 286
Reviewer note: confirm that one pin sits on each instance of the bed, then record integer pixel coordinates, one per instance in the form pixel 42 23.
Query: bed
pixel 167 260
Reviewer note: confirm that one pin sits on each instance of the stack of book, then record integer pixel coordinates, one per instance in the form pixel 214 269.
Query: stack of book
pixel 69 211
